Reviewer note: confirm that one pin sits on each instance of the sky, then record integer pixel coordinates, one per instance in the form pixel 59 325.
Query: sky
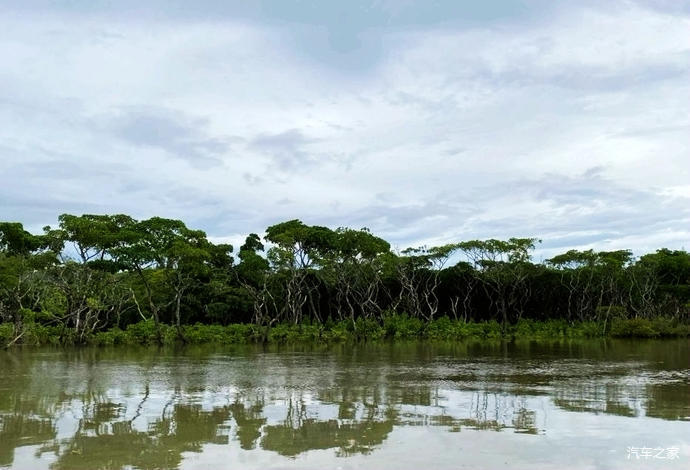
pixel 427 122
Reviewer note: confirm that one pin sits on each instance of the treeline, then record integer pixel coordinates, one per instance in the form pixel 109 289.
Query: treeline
pixel 94 273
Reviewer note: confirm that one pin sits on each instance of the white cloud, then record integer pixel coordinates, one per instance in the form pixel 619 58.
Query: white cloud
pixel 453 132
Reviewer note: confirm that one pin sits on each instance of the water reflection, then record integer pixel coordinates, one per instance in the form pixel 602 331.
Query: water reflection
pixel 148 409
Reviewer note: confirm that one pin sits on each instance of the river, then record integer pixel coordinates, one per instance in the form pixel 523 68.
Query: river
pixel 538 405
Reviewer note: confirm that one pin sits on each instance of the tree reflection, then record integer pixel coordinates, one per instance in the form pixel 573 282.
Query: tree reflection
pixel 249 422
pixel 299 434
pixel 668 401
pixel 106 441
pixel 18 430
pixel 596 397
pixel 87 417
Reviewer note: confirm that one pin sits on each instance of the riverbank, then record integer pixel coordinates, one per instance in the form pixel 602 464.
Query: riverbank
pixel 393 327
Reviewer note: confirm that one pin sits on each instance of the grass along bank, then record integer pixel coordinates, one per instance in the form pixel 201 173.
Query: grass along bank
pixel 393 327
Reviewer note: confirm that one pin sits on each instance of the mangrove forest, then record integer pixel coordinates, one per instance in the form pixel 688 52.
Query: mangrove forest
pixel 109 279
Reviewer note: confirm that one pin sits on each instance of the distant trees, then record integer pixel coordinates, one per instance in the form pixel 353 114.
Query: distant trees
pixel 167 258
pixel 297 253
pixel 502 268
pixel 419 276
pixel 352 269
pixel 94 272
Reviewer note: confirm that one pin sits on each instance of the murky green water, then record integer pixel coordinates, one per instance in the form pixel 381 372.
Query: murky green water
pixel 528 405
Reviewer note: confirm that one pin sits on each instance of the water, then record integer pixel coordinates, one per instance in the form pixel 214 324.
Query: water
pixel 464 405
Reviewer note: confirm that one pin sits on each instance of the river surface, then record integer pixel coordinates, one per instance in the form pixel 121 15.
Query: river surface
pixel 574 404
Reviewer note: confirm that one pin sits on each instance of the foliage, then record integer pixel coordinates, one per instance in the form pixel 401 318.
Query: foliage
pixel 112 279
pixel 395 327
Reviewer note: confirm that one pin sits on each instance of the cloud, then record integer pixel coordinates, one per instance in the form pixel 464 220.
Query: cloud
pixel 173 132
pixel 565 121
pixel 589 210
pixel 288 150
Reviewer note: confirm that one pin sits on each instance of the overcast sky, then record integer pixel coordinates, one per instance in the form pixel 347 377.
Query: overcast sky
pixel 427 122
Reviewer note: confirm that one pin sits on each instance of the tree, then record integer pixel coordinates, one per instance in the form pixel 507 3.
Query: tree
pixel 14 240
pixel 671 270
pixel 83 300
pixel 92 236
pixel 419 275
pixel 459 282
pixel 168 249
pixel 577 275
pixel 503 268
pixel 298 250
pixel 95 271
pixel 24 259
pixel 352 268
pixel 253 275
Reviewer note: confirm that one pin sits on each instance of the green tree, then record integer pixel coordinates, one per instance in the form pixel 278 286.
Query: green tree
pixel 167 249
pixel 503 268
pixel 297 251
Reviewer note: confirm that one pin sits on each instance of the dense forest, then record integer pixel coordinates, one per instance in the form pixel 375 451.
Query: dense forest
pixel 111 277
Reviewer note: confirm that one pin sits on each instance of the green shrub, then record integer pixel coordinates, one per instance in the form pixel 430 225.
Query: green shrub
pixel 37 335
pixel 241 333
pixel 281 333
pixel 6 333
pixel 310 332
pixel 338 332
pixel 442 329
pixel 669 326
pixel 368 329
pixel 491 330
pixel 395 326
pixel 114 336
pixel 589 329
pixel 523 328
pixel 633 327
pixel 402 326
pixel 144 332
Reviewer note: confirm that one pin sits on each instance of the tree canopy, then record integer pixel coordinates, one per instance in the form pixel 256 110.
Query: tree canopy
pixel 94 272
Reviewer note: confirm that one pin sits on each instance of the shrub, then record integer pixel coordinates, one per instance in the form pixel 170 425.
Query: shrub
pixel 442 329
pixel 6 333
pixel 590 329
pixel 338 332
pixel 281 333
pixel 668 326
pixel 144 332
pixel 490 330
pixel 402 326
pixel 111 337
pixel 368 329
pixel 310 332
pixel 637 327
